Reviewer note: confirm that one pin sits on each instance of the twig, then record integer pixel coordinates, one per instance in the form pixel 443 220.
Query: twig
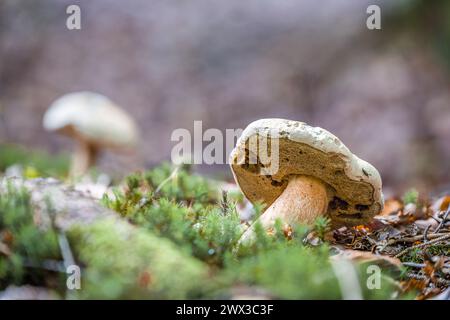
pixel 436 219
pixel 414 265
pixel 425 233
pixel 444 218
pixel 440 281
pixel 419 265
pixel 417 238
pixel 444 237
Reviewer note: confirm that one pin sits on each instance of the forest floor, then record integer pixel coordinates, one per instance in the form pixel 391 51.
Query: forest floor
pixel 169 233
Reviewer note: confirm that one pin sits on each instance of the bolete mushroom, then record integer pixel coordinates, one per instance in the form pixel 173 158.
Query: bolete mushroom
pixel 317 175
pixel 95 122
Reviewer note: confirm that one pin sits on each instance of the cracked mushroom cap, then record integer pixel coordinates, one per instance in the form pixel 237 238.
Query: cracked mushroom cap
pixel 93 118
pixel 353 185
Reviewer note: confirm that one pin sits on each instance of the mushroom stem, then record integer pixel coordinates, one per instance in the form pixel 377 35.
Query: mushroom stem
pixel 84 157
pixel 304 199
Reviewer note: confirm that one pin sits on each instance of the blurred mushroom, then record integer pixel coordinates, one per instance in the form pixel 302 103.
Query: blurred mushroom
pixel 317 175
pixel 95 122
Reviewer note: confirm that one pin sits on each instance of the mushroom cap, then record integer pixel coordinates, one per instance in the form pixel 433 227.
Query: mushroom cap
pixel 91 117
pixel 353 185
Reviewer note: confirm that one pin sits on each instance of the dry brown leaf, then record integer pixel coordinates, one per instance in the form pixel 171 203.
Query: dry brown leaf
pixel 409 210
pixel 391 206
pixel 362 228
pixel 423 224
pixel 445 203
pixel 365 256
pixel 441 204
pixel 413 284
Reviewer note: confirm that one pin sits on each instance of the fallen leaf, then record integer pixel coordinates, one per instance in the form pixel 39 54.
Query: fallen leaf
pixel 391 206
pixel 445 203
pixel 410 209
pixel 377 224
pixel 423 224
pixel 368 257
pixel 441 204
pixel 362 228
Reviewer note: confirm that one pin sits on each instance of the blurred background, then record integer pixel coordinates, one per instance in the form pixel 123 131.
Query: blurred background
pixel 385 93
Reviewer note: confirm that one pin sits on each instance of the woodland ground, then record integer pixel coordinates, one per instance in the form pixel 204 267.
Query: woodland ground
pixel 169 233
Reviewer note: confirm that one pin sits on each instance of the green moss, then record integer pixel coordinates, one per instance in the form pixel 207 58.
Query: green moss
pixel 439 250
pixel 125 262
pixel 25 246
pixel 416 255
pixel 163 202
pixel 182 242
pixel 178 184
pixel 388 288
pixel 35 163
pixel 118 261
pixel 289 272
pixel 185 209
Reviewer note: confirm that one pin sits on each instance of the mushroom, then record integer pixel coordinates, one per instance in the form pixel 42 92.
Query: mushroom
pixel 317 175
pixel 95 122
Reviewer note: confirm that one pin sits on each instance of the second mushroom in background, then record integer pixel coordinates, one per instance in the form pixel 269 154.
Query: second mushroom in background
pixel 95 122
pixel 317 175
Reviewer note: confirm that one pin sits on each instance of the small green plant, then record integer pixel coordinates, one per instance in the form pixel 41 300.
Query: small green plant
pixel 25 249
pixel 183 208
pixel 411 196
pixel 321 226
